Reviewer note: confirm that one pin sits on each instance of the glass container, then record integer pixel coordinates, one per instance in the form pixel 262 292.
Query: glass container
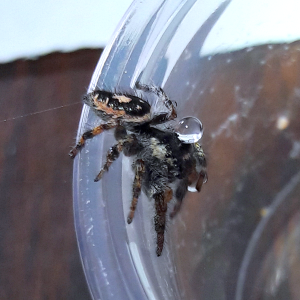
pixel 235 66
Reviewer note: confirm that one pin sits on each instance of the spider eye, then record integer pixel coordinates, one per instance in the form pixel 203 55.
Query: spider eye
pixel 189 130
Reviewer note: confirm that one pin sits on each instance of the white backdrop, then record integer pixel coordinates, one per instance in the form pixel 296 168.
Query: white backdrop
pixel 35 27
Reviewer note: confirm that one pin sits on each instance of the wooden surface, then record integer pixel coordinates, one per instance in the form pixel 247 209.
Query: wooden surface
pixel 39 258
pixel 252 158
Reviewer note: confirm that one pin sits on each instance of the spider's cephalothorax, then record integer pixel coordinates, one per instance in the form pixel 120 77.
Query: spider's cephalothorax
pixel 161 159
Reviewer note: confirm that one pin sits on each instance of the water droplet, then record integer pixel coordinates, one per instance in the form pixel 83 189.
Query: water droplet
pixel 282 122
pixel 189 130
pixel 191 188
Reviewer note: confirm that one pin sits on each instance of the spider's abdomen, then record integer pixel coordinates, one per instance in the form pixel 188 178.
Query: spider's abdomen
pixel 126 108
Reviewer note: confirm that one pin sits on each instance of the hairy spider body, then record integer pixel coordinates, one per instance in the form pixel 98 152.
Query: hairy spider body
pixel 118 107
pixel 161 161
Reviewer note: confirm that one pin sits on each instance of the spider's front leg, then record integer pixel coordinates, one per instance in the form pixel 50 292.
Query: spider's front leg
pixel 179 195
pixel 198 177
pixel 112 154
pixel 161 205
pixel 162 117
pixel 136 188
pixel 89 135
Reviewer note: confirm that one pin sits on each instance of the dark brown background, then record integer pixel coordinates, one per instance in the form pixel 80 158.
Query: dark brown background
pixel 39 258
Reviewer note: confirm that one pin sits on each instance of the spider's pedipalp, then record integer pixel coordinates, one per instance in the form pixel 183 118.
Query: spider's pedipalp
pixel 89 135
pixel 136 188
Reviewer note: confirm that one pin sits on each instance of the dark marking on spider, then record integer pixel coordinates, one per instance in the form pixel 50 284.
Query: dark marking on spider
pixel 161 159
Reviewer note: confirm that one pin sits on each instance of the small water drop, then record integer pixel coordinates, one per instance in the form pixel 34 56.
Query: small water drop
pixel 282 122
pixel 189 130
pixel 191 188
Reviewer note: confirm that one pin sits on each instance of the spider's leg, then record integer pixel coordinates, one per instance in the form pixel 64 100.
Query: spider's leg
pixel 168 103
pixel 179 194
pixel 112 154
pixel 182 189
pixel 161 201
pixel 89 135
pixel 201 162
pixel 163 117
pixel 136 188
pixel 202 179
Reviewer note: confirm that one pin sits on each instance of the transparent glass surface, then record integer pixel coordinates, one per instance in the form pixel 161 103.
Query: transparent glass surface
pixel 222 63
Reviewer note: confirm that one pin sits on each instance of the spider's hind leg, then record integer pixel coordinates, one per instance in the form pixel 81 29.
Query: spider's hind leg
pixel 161 205
pixel 89 135
pixel 136 188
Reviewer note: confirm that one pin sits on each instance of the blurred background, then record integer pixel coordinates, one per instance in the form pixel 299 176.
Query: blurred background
pixel 48 53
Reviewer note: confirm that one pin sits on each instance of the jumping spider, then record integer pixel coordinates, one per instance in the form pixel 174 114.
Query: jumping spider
pixel 161 158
